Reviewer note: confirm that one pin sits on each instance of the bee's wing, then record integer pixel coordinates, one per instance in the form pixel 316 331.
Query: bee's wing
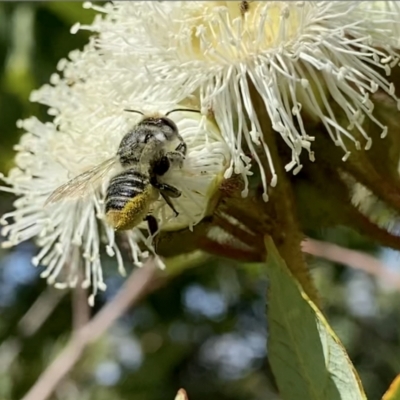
pixel 82 183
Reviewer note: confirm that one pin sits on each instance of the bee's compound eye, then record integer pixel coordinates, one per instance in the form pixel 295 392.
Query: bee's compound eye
pixel 164 121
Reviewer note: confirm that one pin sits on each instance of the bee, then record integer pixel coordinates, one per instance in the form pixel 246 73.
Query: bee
pixel 145 154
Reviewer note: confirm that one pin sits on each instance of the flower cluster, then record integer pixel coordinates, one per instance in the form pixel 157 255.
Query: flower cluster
pixel 297 56
pixel 300 60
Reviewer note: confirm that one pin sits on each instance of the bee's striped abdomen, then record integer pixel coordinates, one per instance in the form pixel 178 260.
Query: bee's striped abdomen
pixel 123 188
pixel 128 199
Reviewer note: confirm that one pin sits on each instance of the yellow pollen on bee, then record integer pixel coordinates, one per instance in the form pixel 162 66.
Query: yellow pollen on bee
pixel 134 211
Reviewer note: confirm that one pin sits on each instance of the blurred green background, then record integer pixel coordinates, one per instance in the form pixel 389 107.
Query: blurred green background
pixel 205 331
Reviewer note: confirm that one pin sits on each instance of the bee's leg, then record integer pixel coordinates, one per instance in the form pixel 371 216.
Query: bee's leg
pixel 182 148
pixel 169 190
pixel 166 192
pixel 169 202
pixel 164 188
pixel 152 224
pixel 175 158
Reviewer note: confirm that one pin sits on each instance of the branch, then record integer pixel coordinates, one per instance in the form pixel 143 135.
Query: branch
pixel 29 324
pixel 352 258
pixel 40 311
pixel 135 287
pixel 80 307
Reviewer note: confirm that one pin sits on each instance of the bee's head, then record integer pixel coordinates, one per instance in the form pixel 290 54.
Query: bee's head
pixel 159 122
pixel 163 124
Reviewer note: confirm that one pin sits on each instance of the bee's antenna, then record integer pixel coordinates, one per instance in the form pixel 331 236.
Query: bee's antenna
pixel 182 109
pixel 134 111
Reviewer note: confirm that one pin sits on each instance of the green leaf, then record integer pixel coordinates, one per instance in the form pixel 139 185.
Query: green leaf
pixel 306 357
pixel 70 12
pixel 393 393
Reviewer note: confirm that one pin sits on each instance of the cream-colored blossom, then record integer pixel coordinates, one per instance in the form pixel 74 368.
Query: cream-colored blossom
pixel 75 228
pixel 88 99
pixel 296 56
pixel 388 13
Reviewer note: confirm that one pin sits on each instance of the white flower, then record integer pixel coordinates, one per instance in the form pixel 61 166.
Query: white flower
pixel 389 12
pixel 298 57
pixel 88 102
pixel 212 55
